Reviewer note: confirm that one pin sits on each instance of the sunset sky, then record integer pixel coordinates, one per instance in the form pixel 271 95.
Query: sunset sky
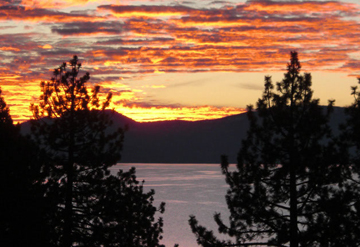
pixel 167 59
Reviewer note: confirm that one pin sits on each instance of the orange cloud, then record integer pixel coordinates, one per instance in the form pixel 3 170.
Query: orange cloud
pixel 54 4
pixel 158 86
pixel 163 113
pixel 18 96
pixel 123 42
pixel 123 102
pixel 306 7
pixel 47 46
pixel 124 11
pixel 10 12
pixel 9 49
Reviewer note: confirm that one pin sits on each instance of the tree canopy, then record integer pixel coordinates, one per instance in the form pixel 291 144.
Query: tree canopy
pixel 5 118
pixel 93 207
pixel 289 171
pixel 24 210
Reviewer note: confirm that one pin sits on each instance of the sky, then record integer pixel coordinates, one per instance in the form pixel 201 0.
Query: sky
pixel 168 59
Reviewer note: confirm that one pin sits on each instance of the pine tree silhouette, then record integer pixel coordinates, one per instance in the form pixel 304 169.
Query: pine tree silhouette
pixel 288 174
pixel 94 208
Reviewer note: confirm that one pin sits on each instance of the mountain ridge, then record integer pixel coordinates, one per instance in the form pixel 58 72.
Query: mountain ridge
pixel 179 141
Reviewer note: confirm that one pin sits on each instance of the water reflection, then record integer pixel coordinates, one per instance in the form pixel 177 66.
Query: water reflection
pixel 197 189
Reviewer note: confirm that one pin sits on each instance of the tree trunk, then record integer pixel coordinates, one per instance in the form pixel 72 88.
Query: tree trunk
pixel 293 208
pixel 294 242
pixel 68 224
pixel 68 205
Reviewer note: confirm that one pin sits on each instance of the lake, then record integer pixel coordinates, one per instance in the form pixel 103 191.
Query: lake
pixel 187 189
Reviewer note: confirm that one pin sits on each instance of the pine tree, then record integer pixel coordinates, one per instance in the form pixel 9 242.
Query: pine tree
pixel 72 127
pixel 288 175
pixel 350 131
pixel 127 212
pixel 350 148
pixel 24 211
pixel 5 118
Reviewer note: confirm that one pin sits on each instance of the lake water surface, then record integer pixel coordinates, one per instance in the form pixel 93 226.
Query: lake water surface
pixel 187 189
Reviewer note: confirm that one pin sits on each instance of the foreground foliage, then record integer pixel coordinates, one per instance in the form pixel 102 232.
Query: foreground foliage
pixel 93 208
pixel 24 210
pixel 291 186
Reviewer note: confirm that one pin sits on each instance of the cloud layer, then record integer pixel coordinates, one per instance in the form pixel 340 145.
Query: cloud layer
pixel 118 43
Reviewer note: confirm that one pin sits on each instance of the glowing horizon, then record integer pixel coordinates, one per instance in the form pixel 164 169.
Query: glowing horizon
pixel 177 60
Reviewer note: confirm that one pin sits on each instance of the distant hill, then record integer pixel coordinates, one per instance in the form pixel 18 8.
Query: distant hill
pixel 186 142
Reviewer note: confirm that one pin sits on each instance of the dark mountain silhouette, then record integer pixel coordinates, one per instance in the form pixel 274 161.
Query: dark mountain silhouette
pixel 186 142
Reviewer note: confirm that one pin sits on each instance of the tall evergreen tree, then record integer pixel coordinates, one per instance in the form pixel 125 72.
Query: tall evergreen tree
pixel 5 118
pixel 350 131
pixel 71 125
pixel 24 211
pixel 289 172
pixel 350 148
